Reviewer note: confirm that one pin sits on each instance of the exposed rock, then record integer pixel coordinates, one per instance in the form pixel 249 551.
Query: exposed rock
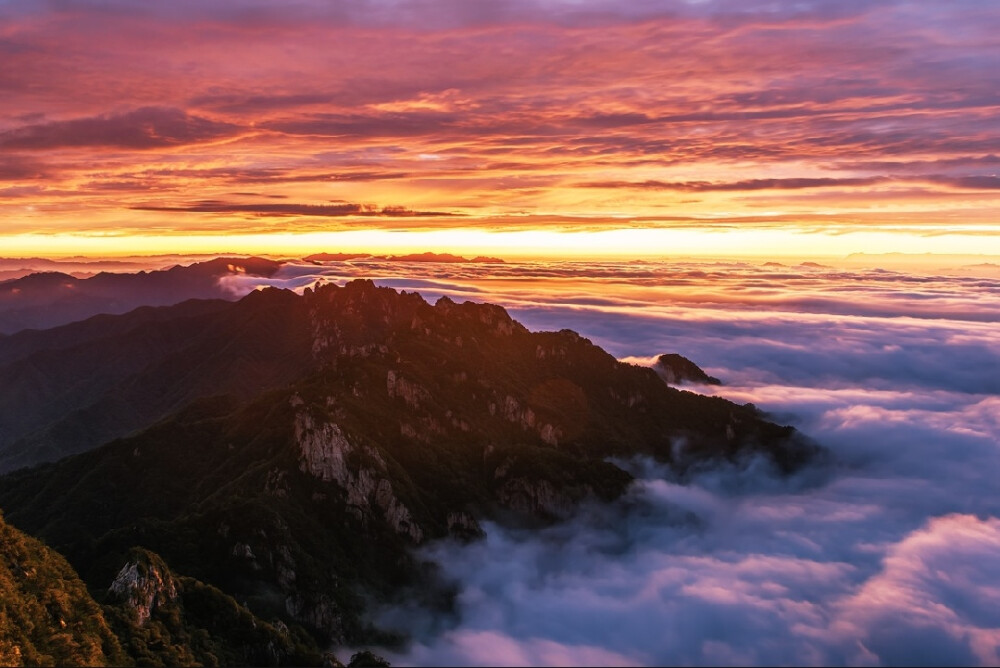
pixel 503 469
pixel 319 612
pixel 537 497
pixel 550 434
pixel 142 584
pixel 497 319
pixel 464 526
pixel 676 370
pixel 396 514
pixel 243 551
pixel 630 399
pixel 512 411
pixel 413 394
pixel 276 484
pixel 324 451
pixel 284 567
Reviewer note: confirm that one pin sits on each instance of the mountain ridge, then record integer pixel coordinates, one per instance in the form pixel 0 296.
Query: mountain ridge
pixel 48 299
pixel 398 422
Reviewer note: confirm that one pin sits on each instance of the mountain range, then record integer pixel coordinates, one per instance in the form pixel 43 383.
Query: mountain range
pixel 47 299
pixel 280 457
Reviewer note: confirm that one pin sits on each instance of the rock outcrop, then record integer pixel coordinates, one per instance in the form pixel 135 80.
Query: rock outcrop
pixel 326 454
pixel 678 370
pixel 143 584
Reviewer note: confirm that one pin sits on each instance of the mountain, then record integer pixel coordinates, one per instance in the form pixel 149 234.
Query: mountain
pixel 321 437
pixel 11 268
pixel 72 388
pixel 336 257
pixel 446 258
pixel 48 299
pixel 677 370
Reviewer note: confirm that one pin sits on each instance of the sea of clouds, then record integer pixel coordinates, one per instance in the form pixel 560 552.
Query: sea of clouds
pixel 889 555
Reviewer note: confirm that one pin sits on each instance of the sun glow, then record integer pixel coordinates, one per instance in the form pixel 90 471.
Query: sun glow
pixel 526 244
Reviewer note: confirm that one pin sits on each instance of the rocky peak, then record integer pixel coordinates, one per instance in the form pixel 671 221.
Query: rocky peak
pixel 677 369
pixel 143 584
pixel 361 319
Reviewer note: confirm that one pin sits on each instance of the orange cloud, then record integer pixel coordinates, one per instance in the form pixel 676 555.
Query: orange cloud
pixel 668 112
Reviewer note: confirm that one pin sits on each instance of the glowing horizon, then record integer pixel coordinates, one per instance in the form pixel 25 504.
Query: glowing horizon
pixel 528 128
pixel 526 245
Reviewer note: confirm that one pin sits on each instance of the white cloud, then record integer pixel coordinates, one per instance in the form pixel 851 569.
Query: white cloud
pixel 888 557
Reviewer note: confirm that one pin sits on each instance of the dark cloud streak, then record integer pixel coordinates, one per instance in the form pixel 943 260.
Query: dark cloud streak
pixel 144 128
pixel 289 209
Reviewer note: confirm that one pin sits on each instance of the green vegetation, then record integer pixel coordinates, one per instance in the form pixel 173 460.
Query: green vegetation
pixel 191 623
pixel 47 617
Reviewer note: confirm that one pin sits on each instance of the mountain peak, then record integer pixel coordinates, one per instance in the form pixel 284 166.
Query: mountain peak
pixel 39 280
pixel 49 299
pixel 677 369
pixel 142 584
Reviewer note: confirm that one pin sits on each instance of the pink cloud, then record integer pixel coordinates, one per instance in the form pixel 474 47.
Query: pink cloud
pixel 517 103
pixel 925 587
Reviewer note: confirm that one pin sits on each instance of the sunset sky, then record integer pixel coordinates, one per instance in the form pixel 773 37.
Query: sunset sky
pixel 802 197
pixel 516 127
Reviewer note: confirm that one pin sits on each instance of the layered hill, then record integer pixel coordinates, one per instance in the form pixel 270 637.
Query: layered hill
pixel 72 388
pixel 52 298
pixel 322 436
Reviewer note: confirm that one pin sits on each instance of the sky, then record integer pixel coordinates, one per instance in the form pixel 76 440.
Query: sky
pixel 522 127
pixel 887 553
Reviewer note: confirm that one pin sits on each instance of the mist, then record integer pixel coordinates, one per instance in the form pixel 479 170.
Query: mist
pixel 889 553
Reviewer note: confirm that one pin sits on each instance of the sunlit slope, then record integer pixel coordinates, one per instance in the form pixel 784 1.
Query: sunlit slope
pixel 46 614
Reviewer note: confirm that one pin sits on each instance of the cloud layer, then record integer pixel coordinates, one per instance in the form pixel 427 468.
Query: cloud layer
pixel 887 557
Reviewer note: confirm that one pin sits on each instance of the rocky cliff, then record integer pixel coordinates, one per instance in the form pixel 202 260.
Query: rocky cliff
pixel 678 370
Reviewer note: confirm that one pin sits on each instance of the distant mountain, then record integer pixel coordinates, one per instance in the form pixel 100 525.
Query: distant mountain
pixel 335 257
pixel 446 258
pixel 72 388
pixel 11 268
pixel 337 430
pixel 48 299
